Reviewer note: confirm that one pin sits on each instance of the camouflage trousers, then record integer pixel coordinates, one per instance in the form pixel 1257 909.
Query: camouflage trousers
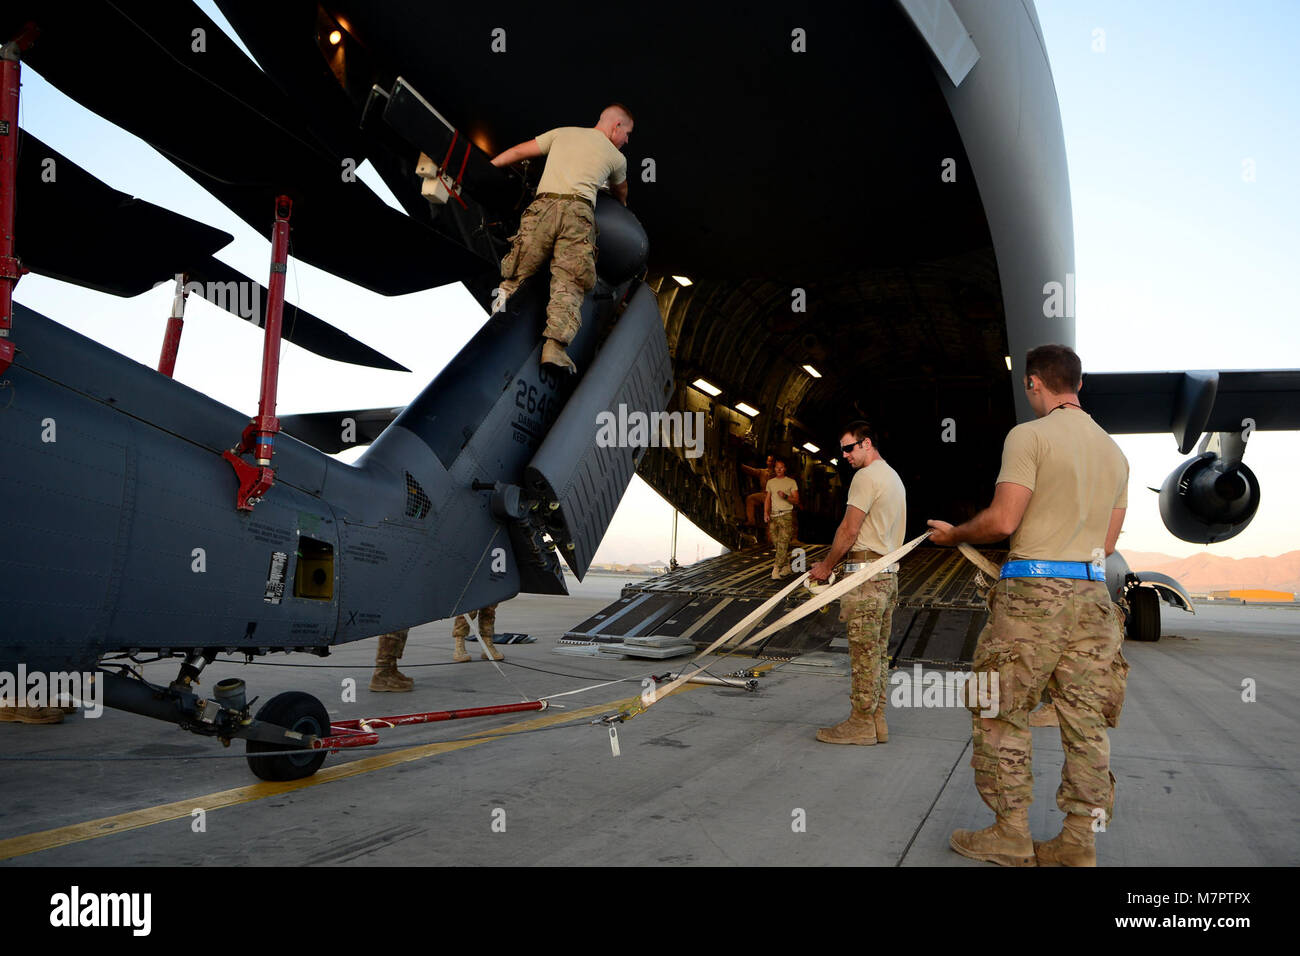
pixel 487 619
pixel 869 612
pixel 564 231
pixel 1062 636
pixel 781 528
pixel 391 646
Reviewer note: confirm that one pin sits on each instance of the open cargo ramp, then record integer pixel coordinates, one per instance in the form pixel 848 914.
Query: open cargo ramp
pixel 940 612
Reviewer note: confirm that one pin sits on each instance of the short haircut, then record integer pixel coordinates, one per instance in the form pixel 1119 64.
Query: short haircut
pixel 622 109
pixel 1057 365
pixel 776 458
pixel 859 430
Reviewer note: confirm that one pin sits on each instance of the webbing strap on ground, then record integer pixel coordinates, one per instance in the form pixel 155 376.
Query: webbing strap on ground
pixel 821 599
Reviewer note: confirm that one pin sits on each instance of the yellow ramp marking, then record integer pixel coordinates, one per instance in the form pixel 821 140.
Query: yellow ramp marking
pixel 135 819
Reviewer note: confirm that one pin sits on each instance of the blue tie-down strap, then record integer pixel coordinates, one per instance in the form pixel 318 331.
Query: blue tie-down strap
pixel 1077 570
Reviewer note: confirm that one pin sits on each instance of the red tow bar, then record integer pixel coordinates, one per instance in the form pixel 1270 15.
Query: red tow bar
pixel 361 733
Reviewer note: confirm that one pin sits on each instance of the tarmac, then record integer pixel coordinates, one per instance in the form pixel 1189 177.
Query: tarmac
pixel 708 776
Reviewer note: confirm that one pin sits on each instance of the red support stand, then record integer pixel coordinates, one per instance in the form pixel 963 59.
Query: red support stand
pixel 259 436
pixel 175 325
pixel 11 270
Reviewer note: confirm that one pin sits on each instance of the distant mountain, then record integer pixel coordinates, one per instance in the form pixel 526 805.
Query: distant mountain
pixel 1212 572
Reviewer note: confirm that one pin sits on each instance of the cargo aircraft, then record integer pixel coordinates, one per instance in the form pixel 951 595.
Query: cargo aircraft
pixel 834 211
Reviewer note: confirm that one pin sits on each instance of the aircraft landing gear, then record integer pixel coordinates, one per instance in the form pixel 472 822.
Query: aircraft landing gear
pixel 286 722
pixel 292 733
pixel 1144 614
pixel 301 714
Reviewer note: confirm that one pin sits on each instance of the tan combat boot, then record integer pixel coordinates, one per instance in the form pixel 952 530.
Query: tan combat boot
pixel 1075 845
pixel 399 648
pixel 1045 716
pixel 387 678
pixel 32 715
pixel 460 631
pixel 860 729
pixel 882 728
pixel 553 354
pixel 1006 843
pixel 490 652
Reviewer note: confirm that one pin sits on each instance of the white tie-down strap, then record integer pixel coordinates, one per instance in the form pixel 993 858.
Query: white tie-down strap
pixel 823 597
pixel 977 559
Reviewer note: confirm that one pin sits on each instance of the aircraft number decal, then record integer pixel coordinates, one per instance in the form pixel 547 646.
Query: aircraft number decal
pixel 538 406
pixel 275 576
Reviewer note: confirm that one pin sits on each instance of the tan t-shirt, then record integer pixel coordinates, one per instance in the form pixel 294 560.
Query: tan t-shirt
pixel 579 160
pixel 877 490
pixel 786 484
pixel 1078 476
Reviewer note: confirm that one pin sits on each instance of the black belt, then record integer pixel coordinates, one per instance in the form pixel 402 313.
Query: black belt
pixel 567 196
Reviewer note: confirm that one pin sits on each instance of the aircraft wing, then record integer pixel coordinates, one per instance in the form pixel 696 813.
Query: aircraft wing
pixel 74 227
pixel 183 86
pixel 1191 403
pixel 71 226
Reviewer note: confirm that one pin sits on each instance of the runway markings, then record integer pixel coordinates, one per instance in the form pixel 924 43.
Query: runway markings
pixel 135 819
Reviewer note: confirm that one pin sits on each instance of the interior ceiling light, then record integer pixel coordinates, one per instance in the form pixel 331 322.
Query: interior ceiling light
pixel 747 409
pixel 335 38
pixel 682 280
pixel 707 387
pixel 811 447
pixel 812 371
pixel 835 461
pixel 1008 358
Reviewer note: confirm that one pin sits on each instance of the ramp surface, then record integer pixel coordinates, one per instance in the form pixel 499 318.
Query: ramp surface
pixel 941 608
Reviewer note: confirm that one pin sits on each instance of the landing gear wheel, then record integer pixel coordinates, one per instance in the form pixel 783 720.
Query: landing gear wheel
pixel 1144 614
pixel 299 712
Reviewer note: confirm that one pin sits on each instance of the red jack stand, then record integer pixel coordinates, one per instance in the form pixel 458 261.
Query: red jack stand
pixel 11 270
pixel 259 435
pixel 175 325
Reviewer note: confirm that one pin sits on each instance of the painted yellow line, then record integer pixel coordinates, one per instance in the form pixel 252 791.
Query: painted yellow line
pixel 135 819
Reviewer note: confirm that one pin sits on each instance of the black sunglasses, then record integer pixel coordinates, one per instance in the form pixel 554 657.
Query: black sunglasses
pixel 848 448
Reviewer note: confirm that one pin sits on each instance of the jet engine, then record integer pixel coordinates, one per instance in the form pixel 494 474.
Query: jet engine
pixel 1209 498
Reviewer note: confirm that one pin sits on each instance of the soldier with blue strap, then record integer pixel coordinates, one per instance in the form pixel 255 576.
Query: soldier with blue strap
pixel 1061 496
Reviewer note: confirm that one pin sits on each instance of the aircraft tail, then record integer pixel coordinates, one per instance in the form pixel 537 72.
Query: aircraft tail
pixel 502 461
pixel 586 462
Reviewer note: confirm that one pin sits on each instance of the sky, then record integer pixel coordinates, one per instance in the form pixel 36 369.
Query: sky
pixel 1181 128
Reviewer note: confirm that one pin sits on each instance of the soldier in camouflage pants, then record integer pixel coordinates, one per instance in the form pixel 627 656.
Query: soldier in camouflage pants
pixel 869 611
pixel 562 229
pixel 1062 635
pixel 781 527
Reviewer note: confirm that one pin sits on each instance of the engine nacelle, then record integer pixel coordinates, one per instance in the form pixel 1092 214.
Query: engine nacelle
pixel 1206 499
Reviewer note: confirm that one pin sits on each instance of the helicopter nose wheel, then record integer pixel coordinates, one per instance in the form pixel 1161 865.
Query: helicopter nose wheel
pixel 299 712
